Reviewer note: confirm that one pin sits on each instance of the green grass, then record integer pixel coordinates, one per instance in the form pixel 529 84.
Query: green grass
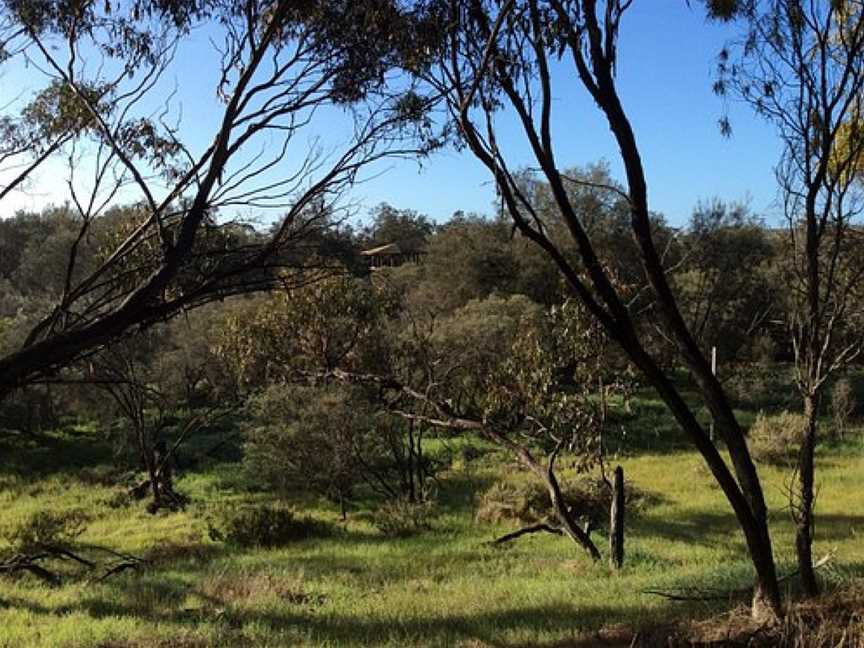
pixel 447 587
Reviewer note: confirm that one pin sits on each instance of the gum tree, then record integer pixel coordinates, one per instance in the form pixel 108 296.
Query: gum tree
pixel 500 54
pixel 276 66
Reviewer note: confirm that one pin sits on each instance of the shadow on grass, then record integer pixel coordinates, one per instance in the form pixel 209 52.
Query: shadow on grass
pixel 702 528
pixel 577 624
pixel 713 529
pixel 89 456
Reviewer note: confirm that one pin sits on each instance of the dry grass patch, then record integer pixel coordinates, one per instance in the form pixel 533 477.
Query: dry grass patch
pixel 233 588
pixel 834 620
pixel 776 438
pixel 528 502
pixel 172 552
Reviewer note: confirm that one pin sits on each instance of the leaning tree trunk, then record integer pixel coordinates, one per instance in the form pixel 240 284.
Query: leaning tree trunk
pixel 568 524
pixel 806 498
pixel 745 495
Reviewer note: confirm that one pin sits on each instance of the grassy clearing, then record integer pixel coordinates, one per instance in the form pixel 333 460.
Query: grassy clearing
pixel 445 587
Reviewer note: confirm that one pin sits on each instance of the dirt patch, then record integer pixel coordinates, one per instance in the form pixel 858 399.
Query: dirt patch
pixel 171 642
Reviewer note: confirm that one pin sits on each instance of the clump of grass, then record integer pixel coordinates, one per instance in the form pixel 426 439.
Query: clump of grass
pixel 776 438
pixel 234 588
pixel 401 518
pixel 262 525
pixel 523 502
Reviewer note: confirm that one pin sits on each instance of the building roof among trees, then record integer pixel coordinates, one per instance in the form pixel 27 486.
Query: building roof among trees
pixel 390 248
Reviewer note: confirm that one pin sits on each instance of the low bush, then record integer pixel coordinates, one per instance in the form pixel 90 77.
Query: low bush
pixel 776 438
pixel 400 517
pixel 303 439
pixel 262 526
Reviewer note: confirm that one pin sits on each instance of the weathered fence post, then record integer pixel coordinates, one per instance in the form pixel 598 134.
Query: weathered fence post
pixel 616 521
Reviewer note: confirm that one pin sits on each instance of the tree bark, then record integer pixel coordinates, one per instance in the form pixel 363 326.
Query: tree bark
pixel 805 518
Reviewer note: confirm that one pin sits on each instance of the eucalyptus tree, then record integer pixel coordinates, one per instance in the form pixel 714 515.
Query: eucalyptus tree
pixel 500 54
pixel 276 66
pixel 800 65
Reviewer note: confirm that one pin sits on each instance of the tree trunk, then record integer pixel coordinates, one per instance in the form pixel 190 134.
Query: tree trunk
pixel 806 470
pixel 751 512
pixel 148 456
pixel 616 521
pixel 745 498
pixel 410 468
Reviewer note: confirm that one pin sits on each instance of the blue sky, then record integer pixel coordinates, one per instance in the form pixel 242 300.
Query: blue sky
pixel 666 57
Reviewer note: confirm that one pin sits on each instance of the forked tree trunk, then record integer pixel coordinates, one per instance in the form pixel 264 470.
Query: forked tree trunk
pixel 805 520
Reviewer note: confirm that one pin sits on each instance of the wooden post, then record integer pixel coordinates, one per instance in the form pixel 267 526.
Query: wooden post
pixel 616 521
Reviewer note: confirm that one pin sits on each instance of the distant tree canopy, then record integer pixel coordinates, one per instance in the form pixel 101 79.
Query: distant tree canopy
pixel 723 279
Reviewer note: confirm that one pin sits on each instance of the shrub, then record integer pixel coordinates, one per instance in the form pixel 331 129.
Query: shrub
pixel 304 439
pixel 262 526
pixel 400 517
pixel 776 438
pixel 842 406
pixel 756 386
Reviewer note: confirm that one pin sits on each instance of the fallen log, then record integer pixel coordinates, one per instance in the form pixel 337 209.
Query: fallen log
pixel 534 528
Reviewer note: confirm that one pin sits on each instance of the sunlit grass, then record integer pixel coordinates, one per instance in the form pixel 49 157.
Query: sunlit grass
pixel 445 587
